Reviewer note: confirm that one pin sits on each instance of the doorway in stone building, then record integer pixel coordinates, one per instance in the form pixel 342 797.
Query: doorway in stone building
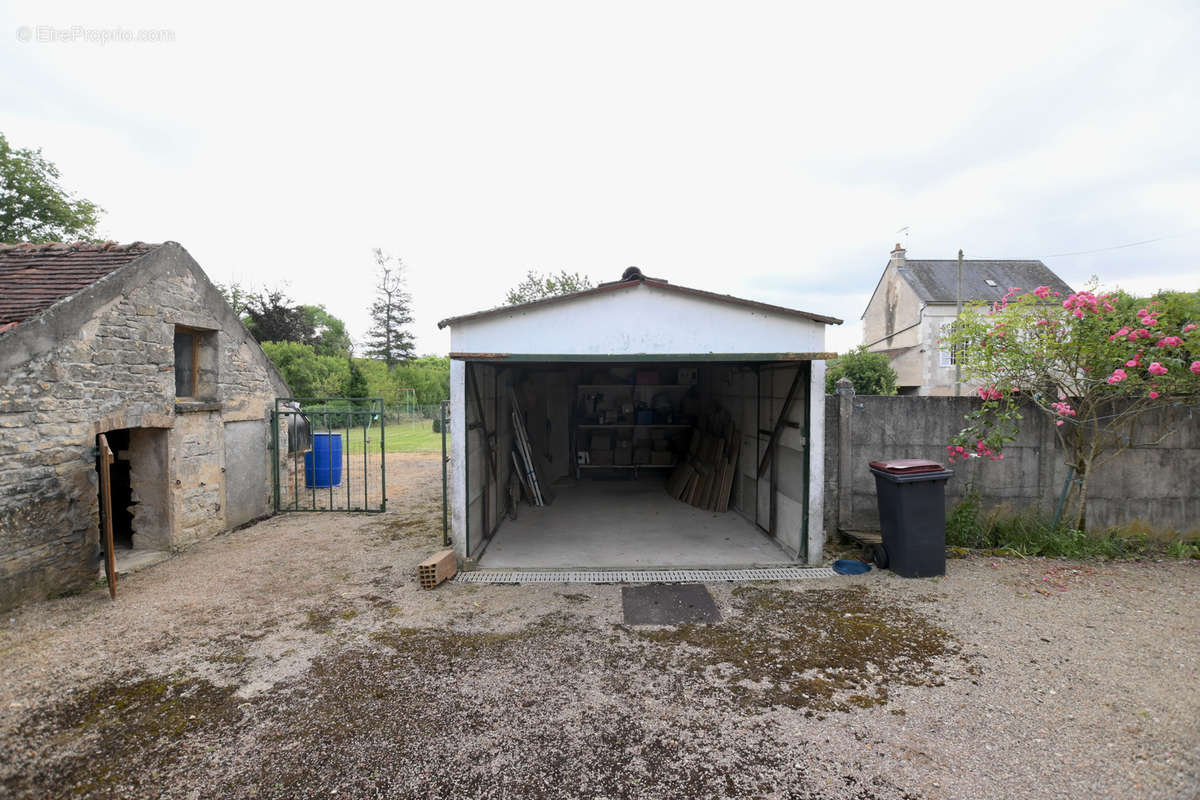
pixel 140 497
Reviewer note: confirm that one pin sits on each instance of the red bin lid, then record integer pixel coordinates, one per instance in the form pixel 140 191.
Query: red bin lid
pixel 907 466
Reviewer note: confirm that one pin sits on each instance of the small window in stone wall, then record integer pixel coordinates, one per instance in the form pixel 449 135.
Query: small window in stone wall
pixel 195 363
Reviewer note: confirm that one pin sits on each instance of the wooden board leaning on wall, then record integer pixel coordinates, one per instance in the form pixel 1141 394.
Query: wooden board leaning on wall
pixel 704 478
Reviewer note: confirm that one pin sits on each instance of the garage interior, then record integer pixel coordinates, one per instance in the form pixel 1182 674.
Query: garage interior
pixel 609 440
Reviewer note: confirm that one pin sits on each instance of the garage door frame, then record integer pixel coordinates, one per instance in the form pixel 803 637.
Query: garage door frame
pixel 759 361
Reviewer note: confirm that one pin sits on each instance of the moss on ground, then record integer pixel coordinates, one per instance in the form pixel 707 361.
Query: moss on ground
pixel 823 650
pixel 113 738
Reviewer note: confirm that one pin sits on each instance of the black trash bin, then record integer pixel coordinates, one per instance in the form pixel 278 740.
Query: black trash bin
pixel 912 516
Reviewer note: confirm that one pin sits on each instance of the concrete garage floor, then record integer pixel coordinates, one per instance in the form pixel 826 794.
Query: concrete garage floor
pixel 624 524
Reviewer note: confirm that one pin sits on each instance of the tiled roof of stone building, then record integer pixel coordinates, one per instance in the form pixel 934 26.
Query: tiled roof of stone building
pixel 935 281
pixel 34 277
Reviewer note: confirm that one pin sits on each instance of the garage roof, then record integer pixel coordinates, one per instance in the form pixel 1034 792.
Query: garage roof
pixel 633 278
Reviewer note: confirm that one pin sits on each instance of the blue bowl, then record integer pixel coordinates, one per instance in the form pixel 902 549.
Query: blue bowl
pixel 851 566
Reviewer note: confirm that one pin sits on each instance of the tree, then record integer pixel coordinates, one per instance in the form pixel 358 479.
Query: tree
pixel 390 313
pixel 308 374
pixel 537 286
pixel 237 297
pixel 356 385
pixel 1095 364
pixel 329 332
pixel 33 207
pixel 271 317
pixel 871 373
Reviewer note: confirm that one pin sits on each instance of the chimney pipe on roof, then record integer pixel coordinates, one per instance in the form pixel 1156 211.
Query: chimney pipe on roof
pixel 632 274
pixel 897 256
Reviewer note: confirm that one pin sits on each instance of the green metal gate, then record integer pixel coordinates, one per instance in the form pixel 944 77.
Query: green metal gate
pixel 329 454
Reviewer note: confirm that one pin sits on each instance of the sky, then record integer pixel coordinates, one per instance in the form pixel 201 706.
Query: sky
pixel 773 151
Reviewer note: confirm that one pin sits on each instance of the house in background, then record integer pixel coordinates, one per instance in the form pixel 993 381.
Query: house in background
pixel 915 302
pixel 134 342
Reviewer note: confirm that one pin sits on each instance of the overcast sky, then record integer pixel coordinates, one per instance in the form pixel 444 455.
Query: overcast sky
pixel 770 151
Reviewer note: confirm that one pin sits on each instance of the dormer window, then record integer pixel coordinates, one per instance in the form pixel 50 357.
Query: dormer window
pixel 990 282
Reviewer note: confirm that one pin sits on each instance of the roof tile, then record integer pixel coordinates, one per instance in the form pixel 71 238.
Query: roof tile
pixel 935 281
pixel 34 277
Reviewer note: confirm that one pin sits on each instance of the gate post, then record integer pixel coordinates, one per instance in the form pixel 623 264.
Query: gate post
pixel 845 393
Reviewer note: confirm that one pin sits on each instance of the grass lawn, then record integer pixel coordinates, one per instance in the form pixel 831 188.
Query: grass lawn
pixel 408 437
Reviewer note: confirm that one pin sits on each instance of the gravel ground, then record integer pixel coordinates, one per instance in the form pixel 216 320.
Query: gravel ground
pixel 298 658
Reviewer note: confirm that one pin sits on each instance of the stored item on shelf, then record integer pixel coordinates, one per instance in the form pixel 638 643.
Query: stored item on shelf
pixel 662 458
pixel 600 457
pixel 661 445
pixel 646 377
pixel 623 455
pixel 687 376
pixel 645 417
pixel 641 455
pixel 601 441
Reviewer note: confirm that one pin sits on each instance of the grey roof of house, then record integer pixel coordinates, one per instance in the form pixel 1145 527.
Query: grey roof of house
pixel 935 281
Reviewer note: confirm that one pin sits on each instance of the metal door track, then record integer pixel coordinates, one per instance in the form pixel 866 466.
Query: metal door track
pixel 644 576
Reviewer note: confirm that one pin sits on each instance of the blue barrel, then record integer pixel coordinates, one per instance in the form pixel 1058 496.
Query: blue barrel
pixel 323 464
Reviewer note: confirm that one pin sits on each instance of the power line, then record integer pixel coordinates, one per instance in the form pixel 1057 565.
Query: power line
pixel 1099 249
pixel 1121 246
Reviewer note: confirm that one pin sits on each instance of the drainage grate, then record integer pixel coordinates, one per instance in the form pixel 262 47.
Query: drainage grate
pixel 644 575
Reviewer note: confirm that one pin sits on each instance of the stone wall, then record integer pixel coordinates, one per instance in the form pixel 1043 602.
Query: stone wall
pixel 1152 489
pixel 104 360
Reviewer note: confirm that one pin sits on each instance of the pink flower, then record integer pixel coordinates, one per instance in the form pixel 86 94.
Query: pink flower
pixel 1149 320
pixel 1169 341
pixel 1133 362
pixel 1117 376
pixel 1078 313
pixel 1189 328
pixel 1063 408
pixel 1042 292
pixel 1141 312
pixel 1154 395
pixel 1157 368
pixel 1058 422
pixel 1195 367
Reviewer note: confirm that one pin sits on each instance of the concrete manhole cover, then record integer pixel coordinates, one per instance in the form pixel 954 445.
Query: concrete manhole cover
pixel 668 604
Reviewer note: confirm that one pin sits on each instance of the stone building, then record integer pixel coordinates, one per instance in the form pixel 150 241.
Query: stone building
pixel 915 302
pixel 132 341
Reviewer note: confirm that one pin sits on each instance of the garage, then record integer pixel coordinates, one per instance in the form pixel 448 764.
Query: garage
pixel 645 425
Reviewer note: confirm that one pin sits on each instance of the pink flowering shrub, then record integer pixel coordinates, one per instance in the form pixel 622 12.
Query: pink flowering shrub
pixel 1079 359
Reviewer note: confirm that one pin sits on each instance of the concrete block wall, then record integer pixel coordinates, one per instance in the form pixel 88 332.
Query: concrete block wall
pixel 104 360
pixel 1149 488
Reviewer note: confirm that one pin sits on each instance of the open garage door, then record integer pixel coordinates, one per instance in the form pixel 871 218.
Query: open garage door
pixel 605 436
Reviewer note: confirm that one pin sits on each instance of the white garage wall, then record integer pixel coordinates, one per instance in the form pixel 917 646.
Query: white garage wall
pixel 642 320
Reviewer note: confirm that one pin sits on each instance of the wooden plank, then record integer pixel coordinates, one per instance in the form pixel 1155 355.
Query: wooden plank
pixel 780 423
pixel 110 557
